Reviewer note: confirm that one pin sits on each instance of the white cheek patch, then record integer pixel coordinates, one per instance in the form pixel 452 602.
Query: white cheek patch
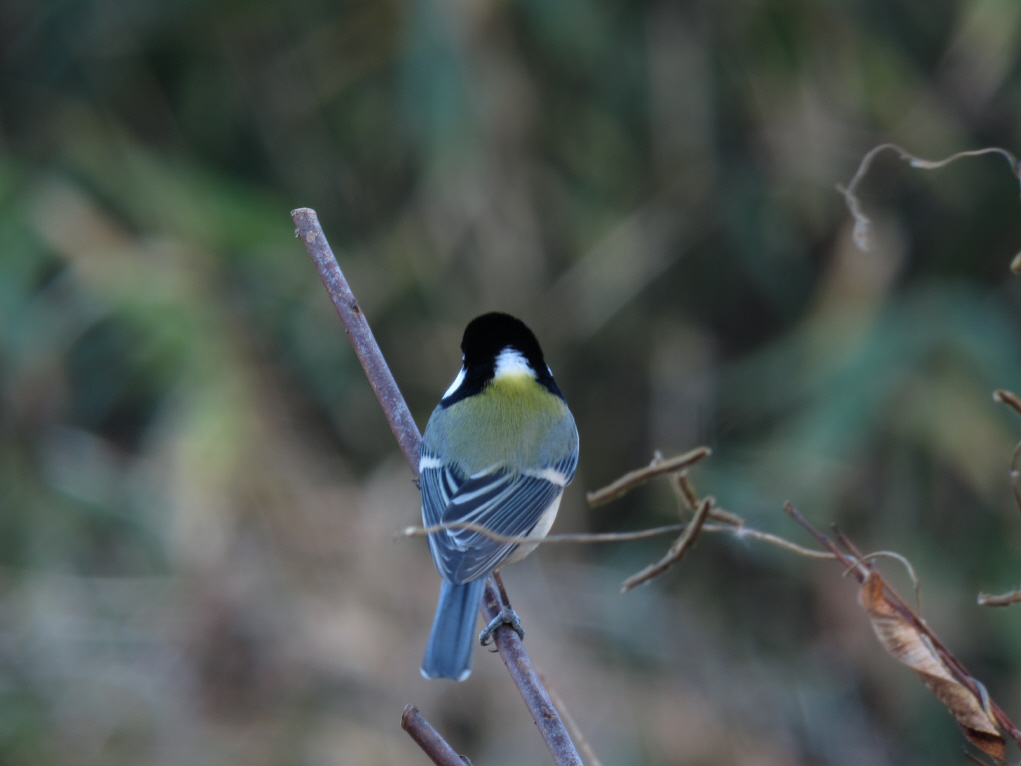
pixel 455 385
pixel 511 362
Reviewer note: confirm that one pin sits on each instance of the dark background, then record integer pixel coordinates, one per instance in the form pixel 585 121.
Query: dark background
pixel 198 493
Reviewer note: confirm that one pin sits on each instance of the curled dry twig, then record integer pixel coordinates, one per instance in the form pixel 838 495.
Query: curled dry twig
pixel 863 224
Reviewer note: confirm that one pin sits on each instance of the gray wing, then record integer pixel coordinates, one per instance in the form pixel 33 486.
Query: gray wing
pixel 508 504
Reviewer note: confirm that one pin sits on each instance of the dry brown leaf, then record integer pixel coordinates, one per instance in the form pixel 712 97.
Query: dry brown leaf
pixel 908 645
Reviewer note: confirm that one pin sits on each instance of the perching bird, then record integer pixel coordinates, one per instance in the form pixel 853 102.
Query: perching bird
pixel 497 452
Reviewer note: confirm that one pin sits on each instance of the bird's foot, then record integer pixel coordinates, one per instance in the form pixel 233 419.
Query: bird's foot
pixel 507 616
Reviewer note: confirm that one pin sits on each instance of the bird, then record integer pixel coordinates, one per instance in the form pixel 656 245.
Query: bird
pixel 497 452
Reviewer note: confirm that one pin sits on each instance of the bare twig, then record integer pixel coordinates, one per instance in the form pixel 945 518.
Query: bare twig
pixel 681 546
pixel 824 541
pixel 432 744
pixel 410 440
pixel 579 537
pixel 514 656
pixel 688 493
pixel 766 537
pixel 630 480
pixel 1011 400
pixel 572 726
pixel 729 527
pixel 1003 599
pixel 357 327
pixel 1015 475
pixel 862 223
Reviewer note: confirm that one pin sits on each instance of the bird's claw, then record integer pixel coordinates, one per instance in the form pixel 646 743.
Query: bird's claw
pixel 507 616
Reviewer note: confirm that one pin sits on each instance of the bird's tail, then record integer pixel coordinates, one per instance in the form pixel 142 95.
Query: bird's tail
pixel 449 653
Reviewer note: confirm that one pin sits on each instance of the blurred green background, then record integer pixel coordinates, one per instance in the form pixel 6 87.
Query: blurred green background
pixel 198 493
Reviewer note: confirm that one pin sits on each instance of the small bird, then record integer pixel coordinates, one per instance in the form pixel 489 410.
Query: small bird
pixel 497 452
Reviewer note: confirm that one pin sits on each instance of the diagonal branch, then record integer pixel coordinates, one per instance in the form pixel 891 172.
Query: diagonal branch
pixel 430 740
pixel 514 656
pixel 357 328
pixel 403 425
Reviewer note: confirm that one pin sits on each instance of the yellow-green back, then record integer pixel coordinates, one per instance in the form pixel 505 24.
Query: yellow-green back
pixel 514 421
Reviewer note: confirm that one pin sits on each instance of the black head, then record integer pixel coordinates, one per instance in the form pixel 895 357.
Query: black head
pixel 486 336
pixel 484 339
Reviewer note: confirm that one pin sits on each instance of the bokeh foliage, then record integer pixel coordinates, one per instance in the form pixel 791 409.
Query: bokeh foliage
pixel 197 490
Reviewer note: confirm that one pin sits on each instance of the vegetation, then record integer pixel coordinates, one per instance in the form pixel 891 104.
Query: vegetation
pixel 199 493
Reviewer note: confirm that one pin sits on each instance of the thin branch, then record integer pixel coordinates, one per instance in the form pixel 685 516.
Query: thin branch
pixel 432 744
pixel 824 541
pixel 514 656
pixel 358 332
pixel 579 537
pixel 766 537
pixel 681 546
pixel 862 223
pixel 572 725
pixel 630 480
pixel 1011 400
pixel 1015 475
pixel 1003 599
pixel 410 440
pixel 738 530
pixel 1003 396
pixel 688 493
